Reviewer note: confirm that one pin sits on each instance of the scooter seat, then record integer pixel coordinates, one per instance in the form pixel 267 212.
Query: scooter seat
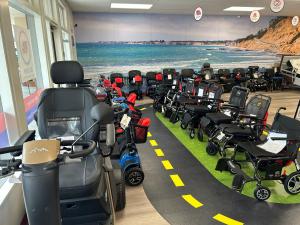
pixel 80 178
pixel 219 118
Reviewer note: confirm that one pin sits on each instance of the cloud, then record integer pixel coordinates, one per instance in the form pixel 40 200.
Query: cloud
pixel 93 27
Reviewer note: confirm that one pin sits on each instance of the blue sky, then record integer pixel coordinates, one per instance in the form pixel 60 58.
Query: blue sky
pixel 93 27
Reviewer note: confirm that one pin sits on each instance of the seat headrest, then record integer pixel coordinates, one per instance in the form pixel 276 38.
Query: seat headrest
pixel 67 72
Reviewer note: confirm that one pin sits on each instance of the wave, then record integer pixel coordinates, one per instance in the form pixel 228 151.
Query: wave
pixel 196 64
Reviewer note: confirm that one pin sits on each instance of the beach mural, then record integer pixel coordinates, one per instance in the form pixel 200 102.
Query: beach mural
pixel 114 42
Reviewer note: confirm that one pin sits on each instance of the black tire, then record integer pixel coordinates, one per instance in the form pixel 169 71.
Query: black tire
pixel 212 148
pixel 262 193
pixel 192 134
pixel 237 164
pixel 200 135
pixel 121 195
pixel 134 176
pixel 291 182
pixel 183 126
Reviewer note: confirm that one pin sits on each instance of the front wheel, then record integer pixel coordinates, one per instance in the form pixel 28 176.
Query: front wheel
pixel 212 148
pixel 134 176
pixel 183 125
pixel 200 135
pixel 262 193
pixel 192 134
pixel 292 183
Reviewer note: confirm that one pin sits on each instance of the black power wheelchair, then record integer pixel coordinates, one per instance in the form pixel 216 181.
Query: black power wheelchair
pixel 247 126
pixel 269 158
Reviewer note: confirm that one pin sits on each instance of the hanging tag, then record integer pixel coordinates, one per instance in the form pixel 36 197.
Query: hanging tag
pixel 125 121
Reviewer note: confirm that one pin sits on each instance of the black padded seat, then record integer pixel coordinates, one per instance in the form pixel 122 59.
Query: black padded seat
pixel 198 108
pixel 236 130
pixel 66 112
pixel 257 152
pixel 219 118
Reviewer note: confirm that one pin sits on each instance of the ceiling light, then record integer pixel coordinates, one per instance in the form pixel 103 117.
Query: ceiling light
pixel 243 9
pixel 130 6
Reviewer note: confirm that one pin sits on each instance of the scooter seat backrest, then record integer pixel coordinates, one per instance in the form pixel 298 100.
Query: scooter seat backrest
pixel 215 91
pixel 113 76
pixel 66 111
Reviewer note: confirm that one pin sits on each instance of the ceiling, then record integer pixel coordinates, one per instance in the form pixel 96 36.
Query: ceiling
pixel 210 7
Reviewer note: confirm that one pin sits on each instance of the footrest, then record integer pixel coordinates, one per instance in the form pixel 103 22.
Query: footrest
pixel 240 177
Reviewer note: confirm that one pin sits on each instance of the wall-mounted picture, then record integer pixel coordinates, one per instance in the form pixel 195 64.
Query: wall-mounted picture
pixel 109 43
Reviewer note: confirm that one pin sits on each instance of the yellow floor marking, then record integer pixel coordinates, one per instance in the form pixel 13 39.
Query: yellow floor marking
pixel 153 143
pixel 149 134
pixel 299 149
pixel 192 201
pixel 226 220
pixel 167 164
pixel 177 180
pixel 159 152
pixel 143 109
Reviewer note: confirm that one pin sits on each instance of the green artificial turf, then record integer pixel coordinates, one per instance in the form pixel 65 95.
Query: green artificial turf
pixel 278 194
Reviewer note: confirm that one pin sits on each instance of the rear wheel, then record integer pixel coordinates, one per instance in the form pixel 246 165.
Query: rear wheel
pixel 134 176
pixel 292 183
pixel 212 148
pixel 262 193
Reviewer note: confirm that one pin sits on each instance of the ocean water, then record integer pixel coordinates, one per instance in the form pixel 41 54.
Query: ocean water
pixel 108 58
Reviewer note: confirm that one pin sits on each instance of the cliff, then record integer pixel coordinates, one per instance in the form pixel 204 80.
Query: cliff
pixel 279 37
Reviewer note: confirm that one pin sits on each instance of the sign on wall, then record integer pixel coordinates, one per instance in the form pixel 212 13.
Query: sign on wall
pixel 198 13
pixel 295 21
pixel 277 5
pixel 25 56
pixel 255 16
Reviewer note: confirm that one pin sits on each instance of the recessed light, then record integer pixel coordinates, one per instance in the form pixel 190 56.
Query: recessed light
pixel 243 9
pixel 130 6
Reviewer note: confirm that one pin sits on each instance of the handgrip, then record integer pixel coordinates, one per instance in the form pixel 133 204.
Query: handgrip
pixel 88 148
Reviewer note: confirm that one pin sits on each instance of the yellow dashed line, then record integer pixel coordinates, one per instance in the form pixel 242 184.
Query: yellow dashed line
pixel 143 109
pixel 159 152
pixel 226 220
pixel 177 180
pixel 167 164
pixel 153 143
pixel 149 134
pixel 192 201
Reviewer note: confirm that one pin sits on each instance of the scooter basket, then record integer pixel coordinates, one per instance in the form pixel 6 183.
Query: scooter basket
pixel 136 116
pixel 140 133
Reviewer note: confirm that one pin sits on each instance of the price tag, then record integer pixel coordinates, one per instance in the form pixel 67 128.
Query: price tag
pixel 295 21
pixel 209 106
pixel 211 95
pixel 200 92
pixel 125 121
pixel 169 77
pixel 133 80
pixel 174 82
pixel 277 5
pixel 227 112
pixel 220 136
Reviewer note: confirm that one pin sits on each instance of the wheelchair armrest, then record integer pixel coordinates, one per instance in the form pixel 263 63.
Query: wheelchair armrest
pixel 245 116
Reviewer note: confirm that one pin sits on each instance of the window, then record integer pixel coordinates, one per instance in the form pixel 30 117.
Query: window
pixel 66 42
pixel 3 132
pixel 62 16
pixel 24 39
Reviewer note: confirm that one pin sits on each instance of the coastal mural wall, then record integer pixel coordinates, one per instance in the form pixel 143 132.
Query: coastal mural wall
pixel 109 43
